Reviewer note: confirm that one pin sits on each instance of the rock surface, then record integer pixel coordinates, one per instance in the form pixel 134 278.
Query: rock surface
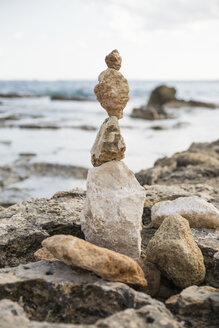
pixel 114 60
pixel 70 296
pixel 112 92
pixel 23 226
pixel 197 211
pixel 105 263
pixel 174 251
pixel 113 209
pixel 109 144
pixel 43 255
pixel 13 315
pixel 196 306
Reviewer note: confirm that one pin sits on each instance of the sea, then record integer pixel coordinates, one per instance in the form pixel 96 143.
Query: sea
pixel 68 128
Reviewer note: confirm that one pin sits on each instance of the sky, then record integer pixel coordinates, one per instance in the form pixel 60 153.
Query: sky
pixel 69 39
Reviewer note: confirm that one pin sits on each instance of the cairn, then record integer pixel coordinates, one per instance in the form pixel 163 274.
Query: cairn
pixel 114 203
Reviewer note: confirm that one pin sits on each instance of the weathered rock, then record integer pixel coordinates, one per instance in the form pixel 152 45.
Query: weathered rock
pixel 196 306
pixel 175 252
pixel 112 92
pixel 161 95
pixel 23 226
pixel 157 316
pixel 105 263
pixel 114 60
pixel 109 144
pixel 149 113
pixel 197 211
pixel 113 209
pixel 178 103
pixel 43 255
pixel 52 291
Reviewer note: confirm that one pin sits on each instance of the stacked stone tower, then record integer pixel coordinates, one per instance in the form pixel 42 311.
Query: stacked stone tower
pixel 114 202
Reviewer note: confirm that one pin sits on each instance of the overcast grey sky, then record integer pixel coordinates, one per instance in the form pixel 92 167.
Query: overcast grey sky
pixel 68 39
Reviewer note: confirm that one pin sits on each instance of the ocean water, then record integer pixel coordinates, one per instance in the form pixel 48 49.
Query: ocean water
pixel 69 144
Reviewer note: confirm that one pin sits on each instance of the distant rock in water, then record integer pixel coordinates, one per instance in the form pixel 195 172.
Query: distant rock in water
pixel 62 97
pixel 15 95
pixel 164 97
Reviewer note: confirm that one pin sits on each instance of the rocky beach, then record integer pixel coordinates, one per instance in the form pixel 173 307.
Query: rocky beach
pixel 132 249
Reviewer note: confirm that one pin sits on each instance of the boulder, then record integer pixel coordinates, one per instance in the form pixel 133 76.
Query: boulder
pixel 112 92
pixel 197 211
pixel 113 209
pixel 175 252
pixel 161 95
pixel 105 263
pixel 109 144
pixel 114 60
pixel 196 306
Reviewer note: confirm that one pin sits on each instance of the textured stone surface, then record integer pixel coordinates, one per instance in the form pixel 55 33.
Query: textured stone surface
pixel 113 209
pixel 12 315
pixel 109 144
pixel 196 306
pixel 53 292
pixel 43 255
pixel 114 60
pixel 175 252
pixel 23 226
pixel 105 263
pixel 197 211
pixel 112 92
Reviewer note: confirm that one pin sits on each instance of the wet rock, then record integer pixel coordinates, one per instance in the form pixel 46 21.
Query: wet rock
pixel 175 252
pixel 109 144
pixel 112 92
pixel 105 263
pixel 197 211
pixel 53 292
pixel 62 97
pixel 114 60
pixel 149 113
pixel 196 306
pixel 23 226
pixel 113 209
pixel 178 103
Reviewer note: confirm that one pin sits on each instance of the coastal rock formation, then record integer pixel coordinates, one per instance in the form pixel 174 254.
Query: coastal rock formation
pixel 174 251
pixel 197 306
pixel 105 263
pixel 113 209
pixel 114 60
pixel 112 92
pixel 164 97
pixel 56 293
pixel 109 144
pixel 197 211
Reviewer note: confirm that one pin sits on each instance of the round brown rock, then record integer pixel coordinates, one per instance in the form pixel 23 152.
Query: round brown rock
pixel 114 60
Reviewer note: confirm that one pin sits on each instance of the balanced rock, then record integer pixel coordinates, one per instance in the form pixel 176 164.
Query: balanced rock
pixel 112 92
pixel 175 252
pixel 105 263
pixel 109 144
pixel 114 60
pixel 197 211
pixel 113 209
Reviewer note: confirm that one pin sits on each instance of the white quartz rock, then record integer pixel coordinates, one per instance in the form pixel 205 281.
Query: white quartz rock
pixel 113 209
pixel 197 211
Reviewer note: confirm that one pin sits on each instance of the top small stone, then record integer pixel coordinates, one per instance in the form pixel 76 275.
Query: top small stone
pixel 114 60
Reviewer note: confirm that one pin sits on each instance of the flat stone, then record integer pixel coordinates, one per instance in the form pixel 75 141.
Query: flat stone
pixel 53 292
pixel 112 92
pixel 109 144
pixel 175 252
pixel 196 306
pixel 24 225
pixel 13 315
pixel 197 211
pixel 113 209
pixel 114 60
pixel 105 263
